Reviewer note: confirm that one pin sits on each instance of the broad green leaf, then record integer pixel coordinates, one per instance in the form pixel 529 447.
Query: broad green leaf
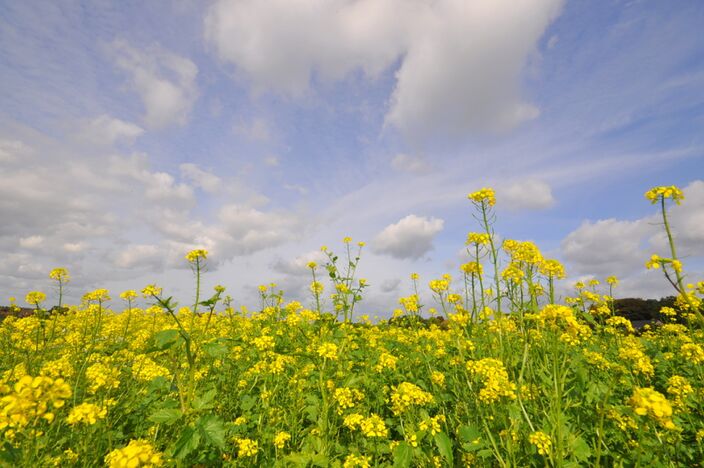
pixel 187 443
pixel 403 455
pixel 212 429
pixel 166 416
pixel 165 339
pixel 444 445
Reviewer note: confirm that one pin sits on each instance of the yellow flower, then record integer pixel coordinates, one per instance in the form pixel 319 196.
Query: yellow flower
pixel 35 298
pixel 406 394
pixel 312 265
pixel 247 448
pixel 648 402
pixel 356 461
pixel 151 290
pixel 328 351
pixel 374 426
pixel 195 255
pixel 485 195
pixel 655 194
pixel 542 441
pixel 99 295
pixel 281 438
pixel 478 238
pixel 60 274
pixel 86 413
pixel 138 454
pixel 347 240
pixel 612 280
pixel 128 295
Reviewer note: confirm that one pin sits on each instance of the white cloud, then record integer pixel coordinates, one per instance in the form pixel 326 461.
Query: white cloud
pixel 299 265
pixel 411 237
pixel 31 242
pixel 140 255
pixel 606 247
pixel 460 61
pixel 13 150
pixel 525 195
pixel 406 163
pixel 107 130
pixel 166 82
pixel 200 178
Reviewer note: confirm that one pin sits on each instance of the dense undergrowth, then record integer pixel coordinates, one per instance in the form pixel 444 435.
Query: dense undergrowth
pixel 508 378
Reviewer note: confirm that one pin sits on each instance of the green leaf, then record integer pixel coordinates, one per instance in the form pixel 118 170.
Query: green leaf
pixel 580 449
pixel 204 401
pixel 319 459
pixel 444 446
pixel 247 402
pixel 298 459
pixel 212 428
pixel 166 416
pixel 215 349
pixel 187 443
pixel 403 455
pixel 165 339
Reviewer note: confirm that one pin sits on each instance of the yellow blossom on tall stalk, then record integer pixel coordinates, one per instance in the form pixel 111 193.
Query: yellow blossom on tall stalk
pixel 478 238
pixel 657 194
pixel 62 277
pixel 484 195
pixel 35 298
pixel 98 295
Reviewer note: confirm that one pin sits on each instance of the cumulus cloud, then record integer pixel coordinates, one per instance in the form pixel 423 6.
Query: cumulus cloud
pixel 411 237
pixel 140 255
pixel 526 195
pixel 165 82
pixel 108 130
pixel 606 247
pixel 459 63
pixel 200 178
pixel 299 265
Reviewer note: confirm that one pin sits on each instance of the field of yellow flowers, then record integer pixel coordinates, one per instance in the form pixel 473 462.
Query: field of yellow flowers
pixel 504 376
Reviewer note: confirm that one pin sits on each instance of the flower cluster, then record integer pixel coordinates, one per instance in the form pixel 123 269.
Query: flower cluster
pixel 541 441
pixel 87 413
pixel 648 402
pixel 484 195
pixel 405 395
pixel 655 194
pixel 495 380
pixel 32 398
pixel 137 454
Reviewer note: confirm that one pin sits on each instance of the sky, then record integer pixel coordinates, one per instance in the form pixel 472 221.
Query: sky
pixel 132 132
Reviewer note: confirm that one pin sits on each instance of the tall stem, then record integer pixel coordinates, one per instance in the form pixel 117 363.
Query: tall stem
pixel 678 273
pixel 494 256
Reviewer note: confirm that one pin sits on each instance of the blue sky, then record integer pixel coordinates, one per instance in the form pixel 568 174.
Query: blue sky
pixel 131 132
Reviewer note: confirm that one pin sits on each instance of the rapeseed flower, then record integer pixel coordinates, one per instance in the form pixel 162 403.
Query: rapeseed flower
pixel 137 454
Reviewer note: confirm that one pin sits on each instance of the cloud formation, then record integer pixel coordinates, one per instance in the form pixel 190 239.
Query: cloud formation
pixel 165 82
pixel 459 62
pixel 410 238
